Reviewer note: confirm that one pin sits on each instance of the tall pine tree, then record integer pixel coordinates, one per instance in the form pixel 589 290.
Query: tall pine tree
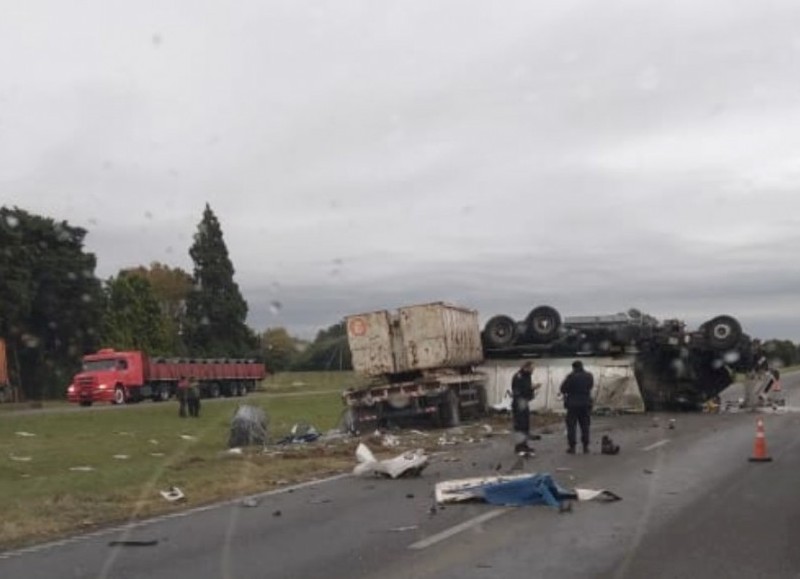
pixel 215 308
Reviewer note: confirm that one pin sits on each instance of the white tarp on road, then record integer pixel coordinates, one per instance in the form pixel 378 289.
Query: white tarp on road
pixel 615 384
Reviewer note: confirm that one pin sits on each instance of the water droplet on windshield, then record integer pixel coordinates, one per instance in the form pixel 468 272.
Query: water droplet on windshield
pixel 86 298
pixel 275 307
pixel 157 40
pixel 148 215
pixel 12 221
pixel 731 357
pixel 205 321
pixel 30 341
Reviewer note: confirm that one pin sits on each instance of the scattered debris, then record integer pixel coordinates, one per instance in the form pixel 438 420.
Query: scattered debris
pixel 390 441
pixel 320 501
pixel 156 454
pixel 515 490
pixel 151 543
pixel 444 441
pixel 672 424
pixel 174 494
pixel 607 446
pixel 277 514
pixel 487 429
pixel 249 502
pixel 403 529
pixel 410 495
pixel 81 468
pixel 410 463
pixel 647 471
pixel 565 507
pixel 300 433
pixel 153 441
pixel 451 459
pixel 504 406
pixel 418 432
pixel 121 456
pixel 234 451
pixel 563 469
pixel 248 426
pixel 20 458
pixel 188 437
pixel 122 433
pixel 24 434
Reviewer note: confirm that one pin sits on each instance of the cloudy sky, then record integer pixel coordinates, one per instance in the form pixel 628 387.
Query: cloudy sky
pixel 364 154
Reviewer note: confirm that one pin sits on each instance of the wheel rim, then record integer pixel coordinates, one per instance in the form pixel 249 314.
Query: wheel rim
pixel 119 396
pixel 722 331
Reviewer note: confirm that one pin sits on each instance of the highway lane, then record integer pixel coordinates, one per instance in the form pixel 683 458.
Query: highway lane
pixel 682 490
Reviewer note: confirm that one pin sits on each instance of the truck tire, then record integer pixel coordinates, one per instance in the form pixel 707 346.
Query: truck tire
pixel 450 409
pixel 543 324
pixel 723 332
pixel 500 332
pixel 119 395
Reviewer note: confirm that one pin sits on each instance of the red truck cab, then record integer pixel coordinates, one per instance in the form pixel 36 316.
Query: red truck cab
pixel 107 376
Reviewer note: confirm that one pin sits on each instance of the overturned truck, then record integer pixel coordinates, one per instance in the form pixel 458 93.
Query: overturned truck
pixel 420 361
pixel 672 366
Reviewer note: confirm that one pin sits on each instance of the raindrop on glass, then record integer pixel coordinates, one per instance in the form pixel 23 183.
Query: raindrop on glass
pixel 86 298
pixel 12 221
pixel 731 357
pixel 275 307
pixel 148 215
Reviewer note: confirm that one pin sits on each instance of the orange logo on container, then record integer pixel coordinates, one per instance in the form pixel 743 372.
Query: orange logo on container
pixel 358 327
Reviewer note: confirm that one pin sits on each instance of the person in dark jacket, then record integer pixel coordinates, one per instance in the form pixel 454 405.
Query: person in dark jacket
pixel 522 392
pixel 577 392
pixel 193 398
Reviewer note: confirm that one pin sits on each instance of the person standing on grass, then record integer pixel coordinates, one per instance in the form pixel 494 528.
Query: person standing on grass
pixel 522 391
pixel 577 392
pixel 183 388
pixel 193 400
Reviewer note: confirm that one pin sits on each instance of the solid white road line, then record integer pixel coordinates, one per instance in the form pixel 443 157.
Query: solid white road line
pixel 656 445
pixel 460 528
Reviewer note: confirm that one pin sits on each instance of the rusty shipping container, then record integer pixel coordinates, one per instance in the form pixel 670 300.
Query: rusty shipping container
pixel 415 338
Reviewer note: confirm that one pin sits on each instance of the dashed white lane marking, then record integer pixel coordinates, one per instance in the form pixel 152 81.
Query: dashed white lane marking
pixel 456 529
pixel 656 445
pixel 138 524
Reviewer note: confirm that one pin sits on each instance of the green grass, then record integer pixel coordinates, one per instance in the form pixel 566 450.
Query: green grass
pixel 43 498
pixel 288 382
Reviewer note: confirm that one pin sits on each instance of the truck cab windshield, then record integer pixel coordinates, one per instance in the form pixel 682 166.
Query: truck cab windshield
pixel 98 365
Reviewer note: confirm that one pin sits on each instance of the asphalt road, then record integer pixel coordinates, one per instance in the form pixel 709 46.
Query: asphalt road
pixel 693 506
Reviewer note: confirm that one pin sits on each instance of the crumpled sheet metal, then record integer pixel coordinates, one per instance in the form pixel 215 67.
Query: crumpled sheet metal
pixel 410 463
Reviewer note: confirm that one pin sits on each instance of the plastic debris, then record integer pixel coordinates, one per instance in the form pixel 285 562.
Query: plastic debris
pixel 390 441
pixel 403 529
pixel 156 454
pixel 487 429
pixel 410 463
pixel 515 490
pixel 607 446
pixel 277 514
pixel 153 441
pixel 81 468
pixel 672 424
pixel 235 451
pixel 249 502
pixel 151 543
pixel 173 494
pixel 301 433
pixel 20 458
pixel 124 433
pixel 504 405
pixel 188 437
pixel 248 426
pixel 121 456
pixel 24 434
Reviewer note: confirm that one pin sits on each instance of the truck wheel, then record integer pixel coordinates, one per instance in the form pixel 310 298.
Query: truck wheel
pixel 500 332
pixel 86 403
pixel 723 332
pixel 450 409
pixel 543 324
pixel 119 395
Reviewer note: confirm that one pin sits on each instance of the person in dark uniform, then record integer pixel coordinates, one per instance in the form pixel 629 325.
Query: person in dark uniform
pixel 183 387
pixel 577 392
pixel 522 392
pixel 193 398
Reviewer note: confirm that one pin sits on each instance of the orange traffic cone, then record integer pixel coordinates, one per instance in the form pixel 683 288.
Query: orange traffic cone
pixel 760 445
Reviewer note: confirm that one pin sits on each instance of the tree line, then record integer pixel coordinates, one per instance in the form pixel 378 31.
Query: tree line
pixel 54 309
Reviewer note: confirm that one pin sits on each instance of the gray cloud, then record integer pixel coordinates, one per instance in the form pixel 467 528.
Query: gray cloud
pixel 595 157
